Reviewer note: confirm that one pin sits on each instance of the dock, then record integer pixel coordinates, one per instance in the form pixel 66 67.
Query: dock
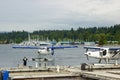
pixel 105 72
pixel 32 73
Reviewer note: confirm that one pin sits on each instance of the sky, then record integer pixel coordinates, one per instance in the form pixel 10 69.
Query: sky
pixel 31 15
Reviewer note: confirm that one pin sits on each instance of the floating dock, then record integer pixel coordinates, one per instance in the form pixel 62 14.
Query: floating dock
pixel 96 71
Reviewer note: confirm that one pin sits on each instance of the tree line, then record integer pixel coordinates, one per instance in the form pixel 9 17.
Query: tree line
pixel 102 35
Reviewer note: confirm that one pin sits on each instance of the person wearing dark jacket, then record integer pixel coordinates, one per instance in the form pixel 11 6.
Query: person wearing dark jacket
pixel 25 61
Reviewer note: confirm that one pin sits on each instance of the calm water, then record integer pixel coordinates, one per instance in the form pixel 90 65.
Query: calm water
pixel 10 57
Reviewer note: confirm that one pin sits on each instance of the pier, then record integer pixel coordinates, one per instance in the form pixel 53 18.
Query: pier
pixel 33 73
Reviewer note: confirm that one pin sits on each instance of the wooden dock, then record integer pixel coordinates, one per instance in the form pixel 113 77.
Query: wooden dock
pixel 100 75
pixel 38 73
pixel 32 73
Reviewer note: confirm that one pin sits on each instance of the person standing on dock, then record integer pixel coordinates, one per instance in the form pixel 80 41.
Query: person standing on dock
pixel 25 61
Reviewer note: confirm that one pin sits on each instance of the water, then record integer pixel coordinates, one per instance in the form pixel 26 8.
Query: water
pixel 10 57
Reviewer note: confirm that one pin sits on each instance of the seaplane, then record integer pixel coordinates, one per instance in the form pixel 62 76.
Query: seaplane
pixel 44 50
pixel 103 53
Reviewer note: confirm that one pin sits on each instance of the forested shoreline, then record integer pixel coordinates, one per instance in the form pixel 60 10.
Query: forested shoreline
pixel 103 35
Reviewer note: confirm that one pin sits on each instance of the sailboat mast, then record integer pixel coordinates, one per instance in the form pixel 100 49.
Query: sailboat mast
pixel 28 37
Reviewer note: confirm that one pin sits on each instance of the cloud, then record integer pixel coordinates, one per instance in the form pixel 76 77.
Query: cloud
pixel 57 14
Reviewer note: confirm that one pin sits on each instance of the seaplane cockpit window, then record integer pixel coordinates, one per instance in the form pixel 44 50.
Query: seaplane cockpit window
pixel 104 52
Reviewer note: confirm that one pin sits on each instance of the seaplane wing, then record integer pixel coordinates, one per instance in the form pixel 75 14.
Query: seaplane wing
pixel 92 47
pixel 25 47
pixel 114 49
pixel 41 47
pixel 44 49
pixel 62 47
pixel 98 48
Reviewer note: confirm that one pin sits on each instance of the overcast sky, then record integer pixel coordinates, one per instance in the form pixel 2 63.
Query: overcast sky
pixel 30 15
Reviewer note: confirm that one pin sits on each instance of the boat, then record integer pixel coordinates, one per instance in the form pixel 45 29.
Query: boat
pixel 32 44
